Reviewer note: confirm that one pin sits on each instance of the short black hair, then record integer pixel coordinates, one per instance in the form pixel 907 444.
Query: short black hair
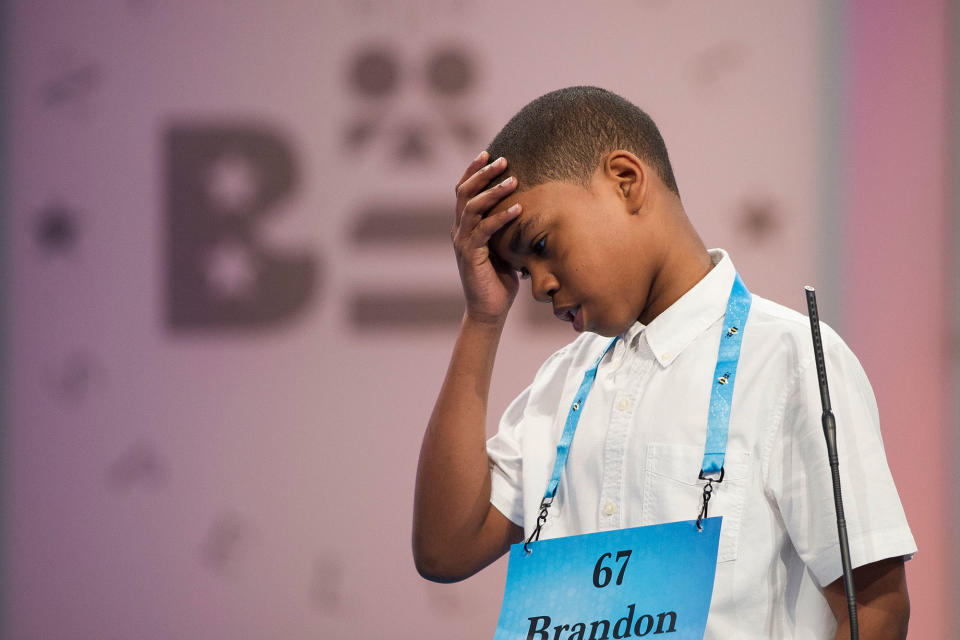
pixel 563 136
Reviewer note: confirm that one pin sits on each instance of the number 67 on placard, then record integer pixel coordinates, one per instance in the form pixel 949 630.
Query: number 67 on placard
pixel 602 575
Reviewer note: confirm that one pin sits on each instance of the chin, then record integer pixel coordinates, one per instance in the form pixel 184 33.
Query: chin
pixel 609 327
pixel 608 334
pixel 606 331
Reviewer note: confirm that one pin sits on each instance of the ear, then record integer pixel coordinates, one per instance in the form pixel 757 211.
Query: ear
pixel 629 176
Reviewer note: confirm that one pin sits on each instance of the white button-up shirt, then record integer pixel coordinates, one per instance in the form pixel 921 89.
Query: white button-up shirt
pixel 636 455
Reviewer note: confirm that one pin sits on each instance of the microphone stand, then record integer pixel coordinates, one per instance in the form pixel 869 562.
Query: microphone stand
pixel 830 433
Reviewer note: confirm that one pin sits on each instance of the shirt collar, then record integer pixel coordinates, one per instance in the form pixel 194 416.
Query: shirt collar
pixel 677 326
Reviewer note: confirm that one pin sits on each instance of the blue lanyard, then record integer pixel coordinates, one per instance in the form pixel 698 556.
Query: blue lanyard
pixel 724 375
pixel 573 417
pixel 718 418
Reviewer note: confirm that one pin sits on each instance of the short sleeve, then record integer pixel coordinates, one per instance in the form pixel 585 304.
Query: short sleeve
pixel 799 473
pixel 506 461
pixel 537 404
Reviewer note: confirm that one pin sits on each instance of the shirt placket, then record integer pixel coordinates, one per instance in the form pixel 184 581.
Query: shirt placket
pixel 625 402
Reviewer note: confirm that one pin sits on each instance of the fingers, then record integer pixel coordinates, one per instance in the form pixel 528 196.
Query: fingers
pixel 491 224
pixel 477 207
pixel 477 176
pixel 470 237
pixel 472 167
pixel 477 181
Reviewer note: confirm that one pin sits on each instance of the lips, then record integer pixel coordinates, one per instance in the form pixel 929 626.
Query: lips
pixel 569 314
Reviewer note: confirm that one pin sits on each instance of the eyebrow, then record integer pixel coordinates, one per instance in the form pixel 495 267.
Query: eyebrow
pixel 516 240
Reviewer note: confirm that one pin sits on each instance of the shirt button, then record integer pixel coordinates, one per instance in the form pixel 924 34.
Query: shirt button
pixel 666 355
pixel 609 508
pixel 624 404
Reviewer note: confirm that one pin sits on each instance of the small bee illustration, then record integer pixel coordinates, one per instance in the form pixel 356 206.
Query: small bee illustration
pixel 724 378
pixel 732 331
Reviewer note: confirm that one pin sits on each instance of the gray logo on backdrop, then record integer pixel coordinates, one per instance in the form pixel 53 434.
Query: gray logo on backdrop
pixel 221 182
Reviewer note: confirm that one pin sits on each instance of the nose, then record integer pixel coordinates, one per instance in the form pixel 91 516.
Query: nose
pixel 543 283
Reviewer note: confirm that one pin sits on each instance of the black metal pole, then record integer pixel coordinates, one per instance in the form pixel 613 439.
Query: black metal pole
pixel 830 433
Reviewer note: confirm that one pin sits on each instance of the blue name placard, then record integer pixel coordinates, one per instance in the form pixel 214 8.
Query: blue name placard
pixel 652 581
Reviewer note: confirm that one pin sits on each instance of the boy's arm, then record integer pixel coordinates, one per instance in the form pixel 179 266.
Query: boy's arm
pixel 883 605
pixel 456 531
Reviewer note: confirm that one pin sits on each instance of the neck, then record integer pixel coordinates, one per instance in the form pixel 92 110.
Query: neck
pixel 685 264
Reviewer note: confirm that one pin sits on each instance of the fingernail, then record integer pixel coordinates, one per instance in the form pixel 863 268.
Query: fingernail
pixel 514 209
pixel 506 183
pixel 480 156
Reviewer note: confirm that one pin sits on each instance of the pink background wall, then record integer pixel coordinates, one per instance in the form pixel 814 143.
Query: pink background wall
pixel 899 242
pixel 210 453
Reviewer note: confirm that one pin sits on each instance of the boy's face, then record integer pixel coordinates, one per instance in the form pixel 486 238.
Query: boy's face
pixel 584 251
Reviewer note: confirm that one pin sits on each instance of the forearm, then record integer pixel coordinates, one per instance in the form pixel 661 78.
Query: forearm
pixel 453 477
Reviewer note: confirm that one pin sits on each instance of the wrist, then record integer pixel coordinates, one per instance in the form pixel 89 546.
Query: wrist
pixel 483 322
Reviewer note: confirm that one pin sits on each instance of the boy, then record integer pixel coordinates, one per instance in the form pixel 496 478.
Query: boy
pixel 591 213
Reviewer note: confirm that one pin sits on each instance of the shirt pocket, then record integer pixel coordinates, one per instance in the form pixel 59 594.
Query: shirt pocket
pixel 674 491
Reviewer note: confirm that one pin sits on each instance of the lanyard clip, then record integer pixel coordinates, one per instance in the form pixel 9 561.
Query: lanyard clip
pixel 541 519
pixel 717 480
pixel 707 494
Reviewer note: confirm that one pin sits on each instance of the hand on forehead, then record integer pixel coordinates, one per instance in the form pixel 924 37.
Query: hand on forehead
pixel 504 240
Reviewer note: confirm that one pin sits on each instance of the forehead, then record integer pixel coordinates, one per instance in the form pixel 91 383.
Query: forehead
pixel 544 202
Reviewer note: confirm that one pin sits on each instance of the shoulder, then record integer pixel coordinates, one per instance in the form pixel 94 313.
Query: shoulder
pixel 782 342
pixel 778 330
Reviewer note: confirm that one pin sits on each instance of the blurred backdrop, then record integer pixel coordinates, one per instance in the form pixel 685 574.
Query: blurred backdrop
pixel 229 295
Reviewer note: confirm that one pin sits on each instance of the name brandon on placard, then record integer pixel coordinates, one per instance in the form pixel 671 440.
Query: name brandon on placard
pixel 666 622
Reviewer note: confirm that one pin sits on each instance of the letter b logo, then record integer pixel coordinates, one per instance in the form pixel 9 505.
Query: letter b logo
pixel 220 183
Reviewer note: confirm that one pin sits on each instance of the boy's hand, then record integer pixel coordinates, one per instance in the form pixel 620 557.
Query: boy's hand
pixel 488 285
